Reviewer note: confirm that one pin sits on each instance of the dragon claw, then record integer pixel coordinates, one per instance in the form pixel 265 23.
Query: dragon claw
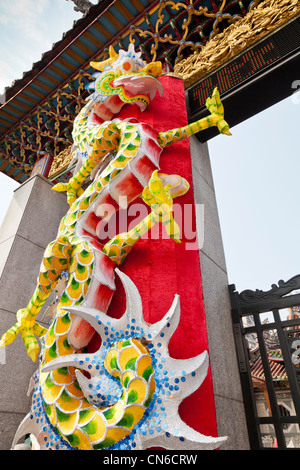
pixel 8 337
pixel 160 200
pixel 72 192
pixel 216 108
pixel 27 329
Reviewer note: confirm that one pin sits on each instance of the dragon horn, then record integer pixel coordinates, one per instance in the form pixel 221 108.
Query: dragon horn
pixel 113 55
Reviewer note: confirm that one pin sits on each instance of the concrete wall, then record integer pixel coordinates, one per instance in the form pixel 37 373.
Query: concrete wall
pixel 30 224
pixel 226 380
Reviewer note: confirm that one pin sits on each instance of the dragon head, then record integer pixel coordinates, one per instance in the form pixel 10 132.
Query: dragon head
pixel 123 78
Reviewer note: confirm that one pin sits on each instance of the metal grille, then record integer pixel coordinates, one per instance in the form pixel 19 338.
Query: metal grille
pixel 267 335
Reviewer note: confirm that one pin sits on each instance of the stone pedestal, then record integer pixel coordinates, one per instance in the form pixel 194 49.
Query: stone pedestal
pixel 226 379
pixel 31 222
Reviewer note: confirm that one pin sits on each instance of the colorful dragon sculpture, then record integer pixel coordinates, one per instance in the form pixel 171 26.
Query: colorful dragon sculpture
pixel 130 388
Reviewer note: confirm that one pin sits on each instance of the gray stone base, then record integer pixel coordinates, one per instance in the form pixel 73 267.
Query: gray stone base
pixel 226 380
pixel 9 423
pixel 31 222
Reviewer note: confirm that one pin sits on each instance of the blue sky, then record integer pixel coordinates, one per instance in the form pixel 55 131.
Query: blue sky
pixel 27 29
pixel 256 175
pixel 256 171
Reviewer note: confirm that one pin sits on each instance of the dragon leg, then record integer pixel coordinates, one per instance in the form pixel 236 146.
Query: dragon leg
pixel 105 141
pixel 55 261
pixel 73 187
pixel 216 118
pixel 160 199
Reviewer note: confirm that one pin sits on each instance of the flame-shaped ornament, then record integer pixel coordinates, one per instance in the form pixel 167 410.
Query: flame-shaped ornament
pixel 134 387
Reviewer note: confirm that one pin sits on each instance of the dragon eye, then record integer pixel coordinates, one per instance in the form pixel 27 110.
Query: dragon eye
pixel 126 66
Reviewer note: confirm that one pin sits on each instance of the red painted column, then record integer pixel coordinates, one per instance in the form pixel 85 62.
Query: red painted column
pixel 161 268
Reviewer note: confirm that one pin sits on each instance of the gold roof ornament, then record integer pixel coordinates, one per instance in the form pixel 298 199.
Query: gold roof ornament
pixel 261 20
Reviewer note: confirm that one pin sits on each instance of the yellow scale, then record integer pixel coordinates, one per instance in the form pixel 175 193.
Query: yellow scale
pixel 83 424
